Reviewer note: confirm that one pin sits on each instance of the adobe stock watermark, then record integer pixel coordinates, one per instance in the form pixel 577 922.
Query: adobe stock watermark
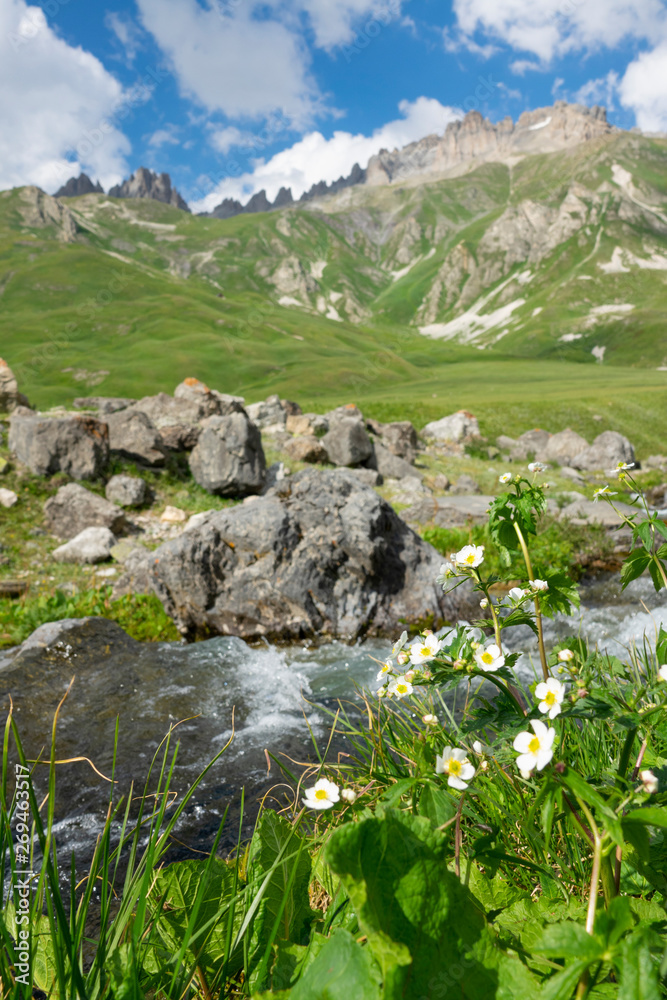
pixel 22 876
pixel 381 18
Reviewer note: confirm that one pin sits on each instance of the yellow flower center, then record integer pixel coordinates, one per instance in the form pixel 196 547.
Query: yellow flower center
pixel 470 558
pixel 534 744
pixel 550 697
pixel 401 688
pixel 321 793
pixel 486 658
pixel 454 767
pixel 425 651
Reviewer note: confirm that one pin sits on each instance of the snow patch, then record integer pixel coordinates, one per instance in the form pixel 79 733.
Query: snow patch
pixel 396 275
pixel 567 338
pixel 536 312
pixel 584 277
pixel 621 307
pixel 317 268
pixel 542 124
pixel 598 353
pixel 332 313
pixel 287 300
pixel 622 260
pixel 621 176
pixel 335 296
pixel 470 324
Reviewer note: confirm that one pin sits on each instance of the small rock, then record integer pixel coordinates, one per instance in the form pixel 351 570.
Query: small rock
pixel 530 444
pixel 505 443
pixel 123 547
pixel 133 435
pixel 302 424
pixel 656 462
pixel 74 508
pixel 347 441
pixel 399 437
pixel 8 498
pixel 572 474
pixel 92 545
pixel 389 465
pixel 457 427
pixel 369 477
pixel 127 491
pixel 108 571
pixel 268 413
pixel 212 402
pixel 465 486
pixel 173 515
pixel 229 458
pixel 441 482
pixel 306 449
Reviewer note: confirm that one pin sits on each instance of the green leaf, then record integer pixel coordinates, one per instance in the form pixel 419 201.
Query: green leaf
pixel 122 969
pixel 634 566
pixel 437 805
pixel 637 835
pixel 569 940
pixel 562 595
pixel 648 816
pixel 638 978
pixel 342 970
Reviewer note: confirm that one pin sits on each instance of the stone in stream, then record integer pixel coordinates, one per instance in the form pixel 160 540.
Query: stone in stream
pixel 74 508
pixel 321 555
pixel 92 545
pixel 78 446
pixel 229 459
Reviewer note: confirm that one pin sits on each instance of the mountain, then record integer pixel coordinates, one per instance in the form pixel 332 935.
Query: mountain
pixel 145 184
pixel 77 186
pixel 259 202
pixel 544 242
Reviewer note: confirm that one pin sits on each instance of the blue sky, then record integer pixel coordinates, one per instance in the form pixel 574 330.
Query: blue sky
pixel 229 96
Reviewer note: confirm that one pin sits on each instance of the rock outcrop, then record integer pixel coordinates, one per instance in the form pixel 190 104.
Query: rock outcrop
pixel 75 508
pixel 229 459
pixel 145 184
pixel 606 452
pixel 10 397
pixel 132 435
pixel 76 186
pixel 457 427
pixel 320 554
pixel 78 446
pixel 40 211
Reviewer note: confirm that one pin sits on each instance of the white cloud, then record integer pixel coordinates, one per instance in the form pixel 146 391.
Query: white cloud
pixel 336 22
pixel 164 137
pixel 600 91
pixel 314 158
pixel 550 29
pixel 126 31
pixel 644 89
pixel 224 139
pixel 57 102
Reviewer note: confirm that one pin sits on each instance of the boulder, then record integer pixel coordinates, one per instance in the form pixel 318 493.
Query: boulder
pixel 369 477
pixel 133 436
pixel 505 443
pixel 269 412
pixel 656 462
pixel 228 458
pixel 529 445
pixel 306 449
pixel 211 402
pixel 302 424
pixel 275 474
pixel 74 508
pixel 137 577
pixel 465 486
pixel 563 447
pixel 10 397
pixel 177 419
pixel 400 437
pixel 347 441
pixel 92 545
pixel 78 446
pixel 389 465
pixel 457 427
pixel 7 497
pixel 126 491
pixel 323 555
pixel 103 404
pixel 607 451
pixel 441 482
pixel 173 515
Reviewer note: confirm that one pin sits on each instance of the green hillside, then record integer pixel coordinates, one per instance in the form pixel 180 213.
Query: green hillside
pixel 524 277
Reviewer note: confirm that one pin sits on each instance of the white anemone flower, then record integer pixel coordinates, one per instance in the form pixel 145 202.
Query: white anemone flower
pixel 505 478
pixel 490 658
pixel 534 749
pixel 425 649
pixel 447 570
pixel 518 594
pixel 537 467
pixel 649 781
pixel 470 556
pixel 565 655
pixel 625 466
pixel 602 493
pixel 662 672
pixel 550 694
pixel 399 644
pixel 385 669
pixel 456 766
pixel 348 795
pixel 539 585
pixel 323 795
pixel 400 688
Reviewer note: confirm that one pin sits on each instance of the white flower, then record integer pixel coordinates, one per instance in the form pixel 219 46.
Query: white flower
pixel 505 478
pixel 565 655
pixel 424 649
pixel 550 695
pixel 348 795
pixel 399 644
pixel 534 750
pixel 624 466
pixel 478 747
pixel 484 603
pixel 456 765
pixel 518 594
pixel 539 585
pixel 490 658
pixel 470 556
pixel 323 795
pixel 446 571
pixel 537 467
pixel 430 720
pixel 381 692
pixel 662 672
pixel 649 781
pixel 400 687
pixel 603 492
pixel 385 669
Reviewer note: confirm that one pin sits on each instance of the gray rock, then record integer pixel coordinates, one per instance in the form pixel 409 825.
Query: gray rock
pixel 326 555
pixel 400 438
pixel 306 423
pixel 7 497
pixel 449 511
pixel 441 482
pixel 532 443
pixel 212 402
pixel 572 474
pixel 562 448
pixel 607 450
pixel 103 404
pixel 133 436
pixel 596 512
pixel 127 491
pixel 505 443
pixel 306 449
pixel 137 577
pixel 457 427
pixel 269 412
pixel 74 508
pixel 10 397
pixel 389 465
pixel 347 441
pixel 656 462
pixel 369 477
pixel 124 547
pixel 229 458
pixel 78 446
pixel 276 473
pixel 177 419
pixel 92 545
pixel 465 485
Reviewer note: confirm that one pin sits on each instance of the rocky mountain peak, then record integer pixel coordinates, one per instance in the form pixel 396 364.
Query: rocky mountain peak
pixel 76 186
pixel 145 184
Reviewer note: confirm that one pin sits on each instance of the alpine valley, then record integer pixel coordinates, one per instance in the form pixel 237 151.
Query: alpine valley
pixel 495 260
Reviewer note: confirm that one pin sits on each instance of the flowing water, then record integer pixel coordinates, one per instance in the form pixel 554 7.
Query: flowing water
pixel 268 697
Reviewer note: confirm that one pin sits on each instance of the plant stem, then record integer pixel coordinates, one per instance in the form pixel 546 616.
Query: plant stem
pixel 538 613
